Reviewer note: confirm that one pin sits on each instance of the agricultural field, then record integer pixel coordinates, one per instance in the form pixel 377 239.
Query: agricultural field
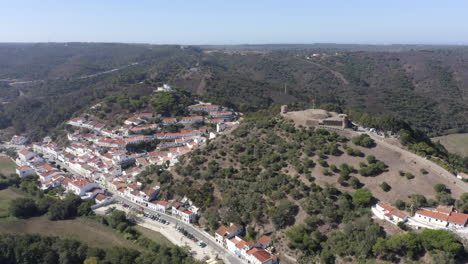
pixel 6 196
pixel 84 230
pixel 457 143
pixel 7 166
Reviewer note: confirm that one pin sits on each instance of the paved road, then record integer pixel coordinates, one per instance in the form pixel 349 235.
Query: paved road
pixel 227 256
pixel 201 235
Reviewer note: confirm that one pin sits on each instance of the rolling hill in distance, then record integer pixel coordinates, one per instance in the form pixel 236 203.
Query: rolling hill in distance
pixel 424 85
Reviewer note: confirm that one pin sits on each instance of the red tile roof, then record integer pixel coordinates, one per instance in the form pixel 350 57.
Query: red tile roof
pixel 262 255
pixel 458 218
pixel 432 214
pixel 386 206
pixel 24 152
pixel 100 197
pixel 264 240
pixel 23 168
pixel 221 230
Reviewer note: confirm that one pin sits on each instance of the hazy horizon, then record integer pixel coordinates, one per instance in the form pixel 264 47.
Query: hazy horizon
pixel 261 22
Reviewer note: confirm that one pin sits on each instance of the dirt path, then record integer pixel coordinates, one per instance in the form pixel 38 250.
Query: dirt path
pixel 426 163
pixel 335 73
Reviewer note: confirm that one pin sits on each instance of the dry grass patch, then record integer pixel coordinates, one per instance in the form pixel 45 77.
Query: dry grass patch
pixel 84 230
pixel 7 166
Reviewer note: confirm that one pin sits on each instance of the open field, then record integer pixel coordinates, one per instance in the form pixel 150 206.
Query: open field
pixel 84 230
pixel 457 143
pixel 6 196
pixel 153 235
pixel 7 166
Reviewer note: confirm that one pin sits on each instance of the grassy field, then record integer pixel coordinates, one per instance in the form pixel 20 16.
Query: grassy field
pixel 7 166
pixel 84 230
pixel 155 236
pixel 6 196
pixel 457 143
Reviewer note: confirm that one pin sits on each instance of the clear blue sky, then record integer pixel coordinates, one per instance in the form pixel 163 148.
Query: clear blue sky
pixel 235 21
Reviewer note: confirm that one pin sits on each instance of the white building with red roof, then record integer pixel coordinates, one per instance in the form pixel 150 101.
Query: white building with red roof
pixel 257 252
pixel 441 218
pixel 204 107
pixel 191 119
pixel 101 198
pixel 143 197
pixel 160 206
pixel 142 129
pixel 387 212
pixel 25 155
pixel 24 171
pixel 260 256
pixel 225 233
pixel 80 186
pixel 169 121
pixel 138 140
pixel 76 121
pixel 217 114
pixel 111 143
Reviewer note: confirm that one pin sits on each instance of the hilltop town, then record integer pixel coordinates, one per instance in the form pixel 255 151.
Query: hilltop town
pixel 102 163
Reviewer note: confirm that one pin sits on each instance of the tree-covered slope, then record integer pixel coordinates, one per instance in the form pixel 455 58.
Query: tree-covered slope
pixel 44 84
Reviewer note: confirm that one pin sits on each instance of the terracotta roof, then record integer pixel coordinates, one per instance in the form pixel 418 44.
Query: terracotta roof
pixel 458 218
pixel 386 206
pixel 232 228
pixel 264 240
pixel 432 214
pixel 23 168
pixel 399 213
pixel 24 152
pixel 80 183
pixel 188 212
pixel 100 197
pixel 262 255
pixel 221 230
pixel 253 250
pixel 241 244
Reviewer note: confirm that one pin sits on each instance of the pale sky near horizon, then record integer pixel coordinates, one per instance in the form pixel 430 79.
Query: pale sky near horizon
pixel 235 22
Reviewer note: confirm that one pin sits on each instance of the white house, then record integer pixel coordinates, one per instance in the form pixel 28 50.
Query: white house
pixel 191 119
pixel 25 155
pixel 216 114
pixel 133 121
pixel 160 206
pixel 24 171
pixel 389 213
pixel 225 233
pixel 81 186
pixel 18 140
pixel 260 256
pixel 441 218
pixel 164 88
pixel 188 216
